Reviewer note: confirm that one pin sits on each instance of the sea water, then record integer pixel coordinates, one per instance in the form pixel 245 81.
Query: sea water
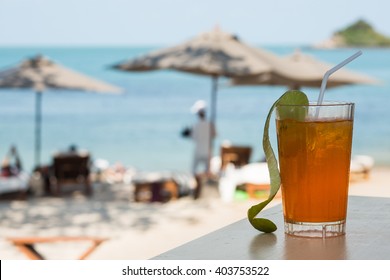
pixel 141 128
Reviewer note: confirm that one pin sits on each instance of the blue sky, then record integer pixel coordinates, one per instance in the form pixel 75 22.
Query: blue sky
pixel 165 22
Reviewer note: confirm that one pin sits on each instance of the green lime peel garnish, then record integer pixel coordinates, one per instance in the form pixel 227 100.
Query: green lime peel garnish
pixel 291 97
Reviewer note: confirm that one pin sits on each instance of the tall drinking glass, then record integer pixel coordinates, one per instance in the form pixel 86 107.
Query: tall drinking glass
pixel 314 144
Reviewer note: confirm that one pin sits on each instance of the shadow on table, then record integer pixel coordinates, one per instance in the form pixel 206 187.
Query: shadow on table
pixel 262 246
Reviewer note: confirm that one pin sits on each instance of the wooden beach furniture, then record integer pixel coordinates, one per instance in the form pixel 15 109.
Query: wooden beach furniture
pixel 27 244
pixel 156 191
pixel 238 155
pixel 71 170
pixel 165 186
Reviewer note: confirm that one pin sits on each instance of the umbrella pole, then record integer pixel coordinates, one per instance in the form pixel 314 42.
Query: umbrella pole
pixel 38 120
pixel 213 114
pixel 214 99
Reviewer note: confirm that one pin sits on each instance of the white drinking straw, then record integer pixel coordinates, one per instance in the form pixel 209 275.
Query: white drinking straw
pixel 330 72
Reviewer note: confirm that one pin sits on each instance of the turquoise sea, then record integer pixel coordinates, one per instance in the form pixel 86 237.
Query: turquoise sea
pixel 141 128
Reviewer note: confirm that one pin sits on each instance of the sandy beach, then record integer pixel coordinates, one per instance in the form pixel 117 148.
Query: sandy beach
pixel 134 230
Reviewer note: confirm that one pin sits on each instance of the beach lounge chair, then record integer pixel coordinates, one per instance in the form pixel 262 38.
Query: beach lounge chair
pixel 14 187
pixel 14 182
pixel 361 166
pixel 164 186
pixel 237 155
pixel 252 178
pixel 71 170
pixel 156 191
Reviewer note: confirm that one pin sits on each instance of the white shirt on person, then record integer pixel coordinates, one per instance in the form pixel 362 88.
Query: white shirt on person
pixel 200 133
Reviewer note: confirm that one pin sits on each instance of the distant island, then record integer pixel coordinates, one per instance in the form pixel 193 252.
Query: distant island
pixel 359 34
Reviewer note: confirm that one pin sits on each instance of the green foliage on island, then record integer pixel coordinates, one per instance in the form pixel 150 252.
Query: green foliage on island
pixel 361 34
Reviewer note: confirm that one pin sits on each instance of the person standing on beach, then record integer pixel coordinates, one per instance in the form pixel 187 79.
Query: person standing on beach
pixel 200 133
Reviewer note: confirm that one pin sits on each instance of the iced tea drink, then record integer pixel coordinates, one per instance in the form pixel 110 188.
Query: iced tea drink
pixel 314 157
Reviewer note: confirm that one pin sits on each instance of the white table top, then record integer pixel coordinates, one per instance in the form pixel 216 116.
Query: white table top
pixel 367 237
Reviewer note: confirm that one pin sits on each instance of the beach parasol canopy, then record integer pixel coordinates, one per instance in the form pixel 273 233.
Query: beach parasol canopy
pixel 301 70
pixel 213 54
pixel 41 73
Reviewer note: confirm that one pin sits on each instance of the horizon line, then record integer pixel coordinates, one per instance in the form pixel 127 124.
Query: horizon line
pixel 128 45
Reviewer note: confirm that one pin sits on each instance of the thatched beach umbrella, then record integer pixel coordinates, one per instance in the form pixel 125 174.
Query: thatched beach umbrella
pixel 302 70
pixel 212 54
pixel 40 73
